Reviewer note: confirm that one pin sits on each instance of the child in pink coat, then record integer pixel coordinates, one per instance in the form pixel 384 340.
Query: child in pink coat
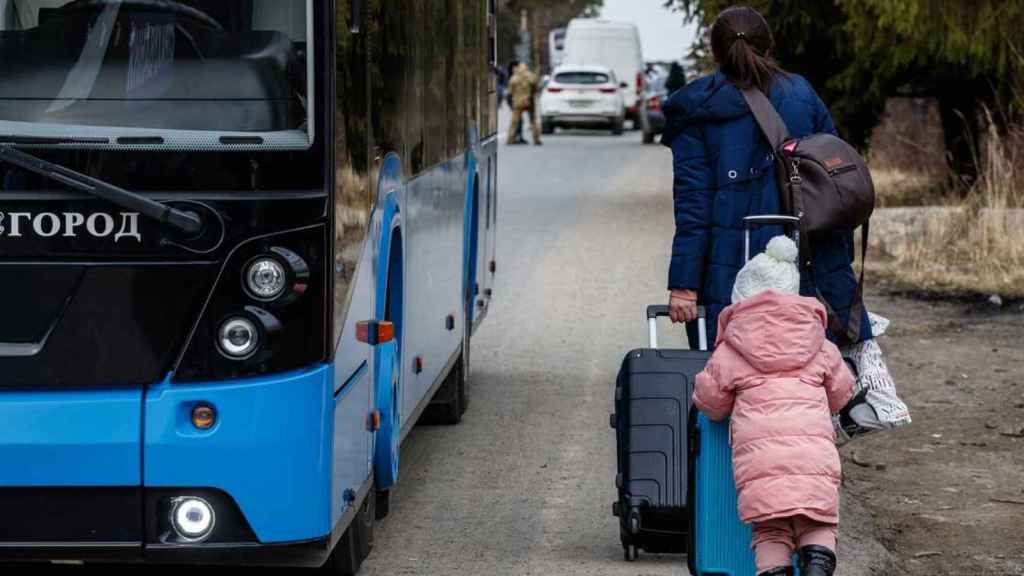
pixel 778 376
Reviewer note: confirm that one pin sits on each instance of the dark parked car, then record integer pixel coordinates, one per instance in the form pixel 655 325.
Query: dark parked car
pixel 654 96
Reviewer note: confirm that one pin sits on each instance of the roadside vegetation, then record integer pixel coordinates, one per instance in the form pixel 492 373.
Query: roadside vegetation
pixel 977 244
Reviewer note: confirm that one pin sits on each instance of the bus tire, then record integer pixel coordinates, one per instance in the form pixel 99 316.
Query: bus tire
pixel 464 389
pixel 364 536
pixel 382 506
pixel 355 544
pixel 446 408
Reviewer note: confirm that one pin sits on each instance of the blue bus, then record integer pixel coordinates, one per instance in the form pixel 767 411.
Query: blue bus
pixel 244 246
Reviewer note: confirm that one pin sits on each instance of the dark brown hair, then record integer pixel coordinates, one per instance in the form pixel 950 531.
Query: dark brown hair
pixel 741 42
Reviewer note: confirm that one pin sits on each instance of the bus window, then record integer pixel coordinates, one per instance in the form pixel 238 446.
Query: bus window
pixel 435 106
pixel 454 79
pixel 352 197
pixel 390 44
pixel 419 48
pixel 112 70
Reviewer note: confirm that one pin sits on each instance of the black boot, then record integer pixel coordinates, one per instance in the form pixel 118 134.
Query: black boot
pixel 817 561
pixel 783 571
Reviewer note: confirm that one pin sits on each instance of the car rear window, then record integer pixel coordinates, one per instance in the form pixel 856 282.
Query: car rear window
pixel 581 78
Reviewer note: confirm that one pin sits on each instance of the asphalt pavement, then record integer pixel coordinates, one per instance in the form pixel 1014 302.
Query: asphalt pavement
pixel 525 484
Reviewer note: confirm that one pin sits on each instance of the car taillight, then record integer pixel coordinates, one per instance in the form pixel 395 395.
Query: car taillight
pixel 609 90
pixel 654 103
pixel 639 82
pixel 554 90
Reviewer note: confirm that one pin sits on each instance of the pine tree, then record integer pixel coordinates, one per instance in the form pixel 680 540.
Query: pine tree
pixel 967 54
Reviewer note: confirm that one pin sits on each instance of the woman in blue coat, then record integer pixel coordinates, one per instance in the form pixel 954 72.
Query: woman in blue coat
pixel 725 171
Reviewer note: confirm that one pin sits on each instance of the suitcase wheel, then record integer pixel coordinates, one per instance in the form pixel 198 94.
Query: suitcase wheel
pixel 630 552
pixel 634 520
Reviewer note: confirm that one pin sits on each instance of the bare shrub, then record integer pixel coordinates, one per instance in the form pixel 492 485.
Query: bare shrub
pixel 907 154
pixel 979 245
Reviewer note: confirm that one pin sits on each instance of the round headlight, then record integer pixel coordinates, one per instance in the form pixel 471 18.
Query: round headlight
pixel 192 518
pixel 238 337
pixel 265 278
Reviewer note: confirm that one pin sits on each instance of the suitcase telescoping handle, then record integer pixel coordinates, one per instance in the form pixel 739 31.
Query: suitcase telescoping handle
pixel 655 310
pixel 751 222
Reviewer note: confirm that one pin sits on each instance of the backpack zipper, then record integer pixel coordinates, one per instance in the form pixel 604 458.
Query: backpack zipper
pixel 842 170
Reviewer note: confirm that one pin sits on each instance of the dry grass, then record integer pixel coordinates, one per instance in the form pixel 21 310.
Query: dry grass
pixel 896 187
pixel 980 246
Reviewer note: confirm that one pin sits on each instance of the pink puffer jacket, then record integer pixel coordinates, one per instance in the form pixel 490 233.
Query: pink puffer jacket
pixel 781 380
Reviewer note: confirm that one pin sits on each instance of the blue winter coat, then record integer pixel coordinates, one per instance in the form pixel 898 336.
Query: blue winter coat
pixel 725 171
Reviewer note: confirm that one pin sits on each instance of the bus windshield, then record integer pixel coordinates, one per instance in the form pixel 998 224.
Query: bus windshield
pixel 175 74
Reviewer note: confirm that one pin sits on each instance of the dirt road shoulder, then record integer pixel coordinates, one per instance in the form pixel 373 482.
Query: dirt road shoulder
pixel 945 493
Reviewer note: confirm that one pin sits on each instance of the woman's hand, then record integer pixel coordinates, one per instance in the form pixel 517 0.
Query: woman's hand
pixel 682 306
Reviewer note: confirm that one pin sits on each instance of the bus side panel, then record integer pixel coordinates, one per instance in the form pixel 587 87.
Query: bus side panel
pixel 353 387
pixel 353 442
pixel 487 212
pixel 434 215
pixel 270 449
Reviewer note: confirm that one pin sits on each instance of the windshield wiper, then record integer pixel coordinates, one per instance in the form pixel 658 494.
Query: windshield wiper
pixel 187 222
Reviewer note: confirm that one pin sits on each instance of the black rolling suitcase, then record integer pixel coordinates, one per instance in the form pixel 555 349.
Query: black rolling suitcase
pixel 651 420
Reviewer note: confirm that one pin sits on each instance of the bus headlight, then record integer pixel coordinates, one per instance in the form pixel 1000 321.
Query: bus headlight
pixel 192 518
pixel 265 278
pixel 238 338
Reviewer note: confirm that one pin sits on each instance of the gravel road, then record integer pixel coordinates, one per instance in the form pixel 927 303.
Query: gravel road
pixel 524 485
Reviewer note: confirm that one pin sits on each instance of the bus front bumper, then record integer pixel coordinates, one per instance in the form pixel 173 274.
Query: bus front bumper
pixel 308 554
pixel 92 476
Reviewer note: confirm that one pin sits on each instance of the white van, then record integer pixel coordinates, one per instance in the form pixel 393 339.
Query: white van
pixel 556 46
pixel 616 45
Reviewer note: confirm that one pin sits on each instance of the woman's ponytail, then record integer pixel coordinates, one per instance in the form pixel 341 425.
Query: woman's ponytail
pixel 741 42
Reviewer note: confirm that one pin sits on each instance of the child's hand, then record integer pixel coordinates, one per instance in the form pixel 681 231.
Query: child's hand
pixel 682 306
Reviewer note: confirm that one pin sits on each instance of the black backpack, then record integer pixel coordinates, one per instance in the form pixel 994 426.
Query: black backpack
pixel 826 183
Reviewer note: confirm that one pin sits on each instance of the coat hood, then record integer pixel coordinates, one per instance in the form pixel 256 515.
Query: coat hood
pixel 775 332
pixel 710 99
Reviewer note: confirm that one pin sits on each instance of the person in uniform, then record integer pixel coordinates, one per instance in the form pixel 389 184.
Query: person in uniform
pixel 523 89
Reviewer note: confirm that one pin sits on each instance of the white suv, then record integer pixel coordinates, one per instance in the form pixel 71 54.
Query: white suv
pixel 582 96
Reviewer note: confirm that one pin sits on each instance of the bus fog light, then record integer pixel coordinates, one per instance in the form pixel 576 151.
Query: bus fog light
pixel 238 338
pixel 266 278
pixel 193 519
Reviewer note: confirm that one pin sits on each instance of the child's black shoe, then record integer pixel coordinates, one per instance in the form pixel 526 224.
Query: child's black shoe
pixel 783 571
pixel 817 561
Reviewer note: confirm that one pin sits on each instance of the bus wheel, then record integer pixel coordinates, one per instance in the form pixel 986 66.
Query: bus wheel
pixel 447 406
pixel 355 544
pixel 383 504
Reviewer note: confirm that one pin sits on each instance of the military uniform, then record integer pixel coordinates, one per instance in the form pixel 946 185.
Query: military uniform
pixel 522 88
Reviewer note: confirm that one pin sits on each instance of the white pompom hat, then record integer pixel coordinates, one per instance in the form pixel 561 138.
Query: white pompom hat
pixel 774 269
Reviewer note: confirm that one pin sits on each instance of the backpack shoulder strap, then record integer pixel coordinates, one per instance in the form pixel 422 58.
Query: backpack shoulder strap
pixel 850 334
pixel 767 117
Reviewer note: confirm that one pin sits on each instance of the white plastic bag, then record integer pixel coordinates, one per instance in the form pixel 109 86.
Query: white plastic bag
pixel 875 404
